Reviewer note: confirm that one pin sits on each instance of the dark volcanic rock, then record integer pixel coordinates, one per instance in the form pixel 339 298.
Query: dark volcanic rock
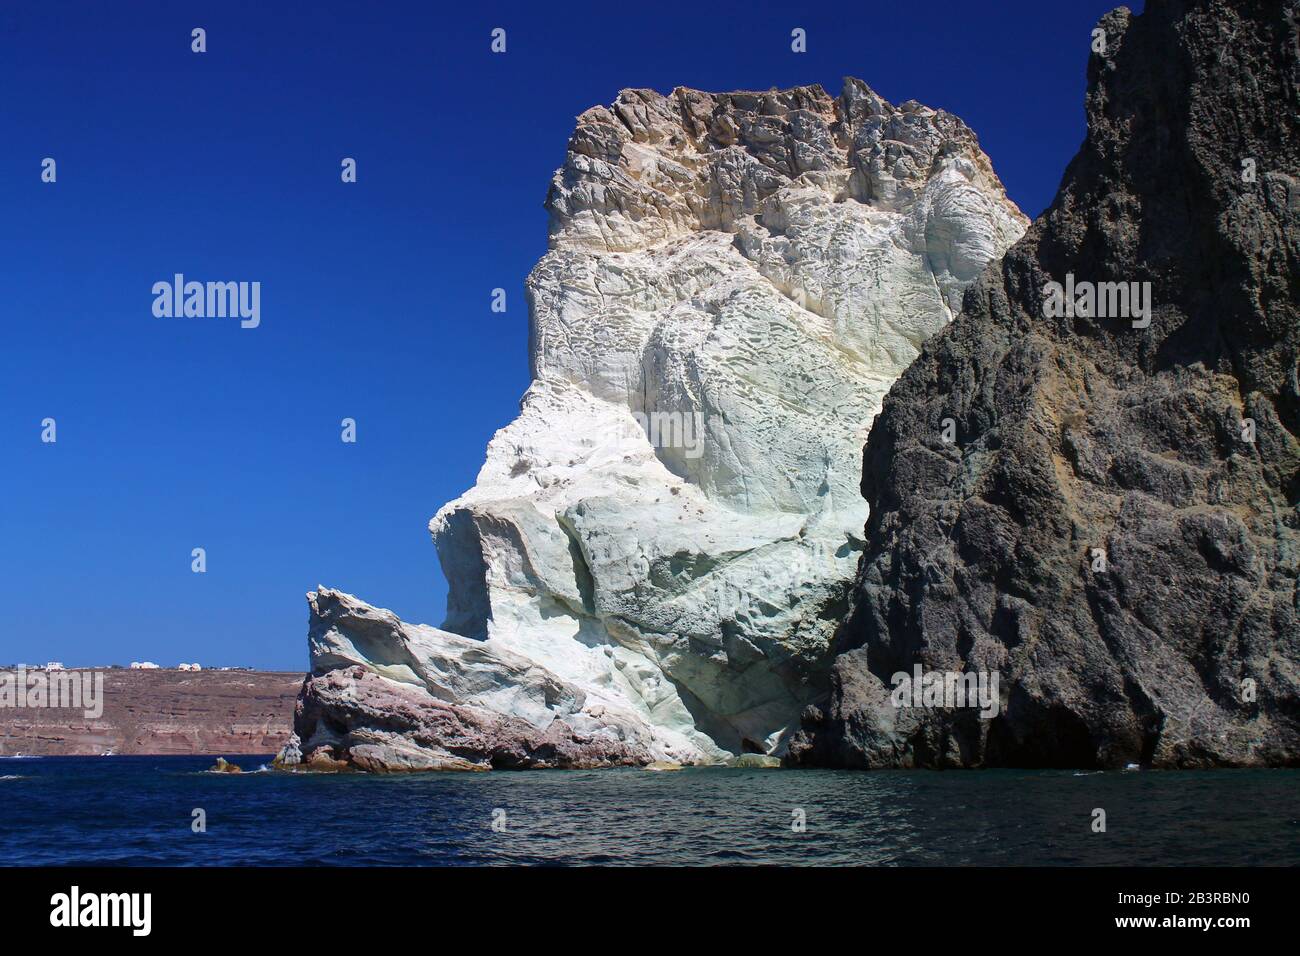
pixel 1075 434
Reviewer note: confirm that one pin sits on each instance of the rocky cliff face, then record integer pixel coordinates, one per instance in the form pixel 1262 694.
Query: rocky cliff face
pixel 162 712
pixel 660 546
pixel 1105 512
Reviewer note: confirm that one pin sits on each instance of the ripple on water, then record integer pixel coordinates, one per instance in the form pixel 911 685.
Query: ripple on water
pixel 127 811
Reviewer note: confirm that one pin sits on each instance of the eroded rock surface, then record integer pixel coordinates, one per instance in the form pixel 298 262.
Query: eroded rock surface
pixel 663 541
pixel 1170 452
pixel 388 696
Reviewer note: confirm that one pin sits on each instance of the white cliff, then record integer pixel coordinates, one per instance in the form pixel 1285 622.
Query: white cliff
pixel 669 529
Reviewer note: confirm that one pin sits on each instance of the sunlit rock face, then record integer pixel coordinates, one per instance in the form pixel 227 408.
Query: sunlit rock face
pixel 672 524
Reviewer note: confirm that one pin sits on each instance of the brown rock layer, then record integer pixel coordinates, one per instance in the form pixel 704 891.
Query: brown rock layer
pixel 352 718
pixel 163 712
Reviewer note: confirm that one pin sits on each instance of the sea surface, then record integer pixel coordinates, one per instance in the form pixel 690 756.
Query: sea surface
pixel 141 811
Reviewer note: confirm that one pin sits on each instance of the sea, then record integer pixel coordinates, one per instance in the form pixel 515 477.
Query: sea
pixel 171 811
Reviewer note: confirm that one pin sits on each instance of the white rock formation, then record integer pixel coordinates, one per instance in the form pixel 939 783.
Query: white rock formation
pixel 671 524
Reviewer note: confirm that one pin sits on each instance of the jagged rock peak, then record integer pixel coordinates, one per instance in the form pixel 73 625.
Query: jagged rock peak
pixel 651 167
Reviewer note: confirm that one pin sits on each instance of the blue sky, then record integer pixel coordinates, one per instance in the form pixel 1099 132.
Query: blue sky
pixel 183 433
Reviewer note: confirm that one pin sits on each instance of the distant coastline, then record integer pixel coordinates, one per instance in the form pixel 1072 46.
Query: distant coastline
pixel 162 711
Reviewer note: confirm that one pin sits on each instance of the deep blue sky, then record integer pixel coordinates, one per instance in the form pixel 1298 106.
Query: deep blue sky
pixel 176 433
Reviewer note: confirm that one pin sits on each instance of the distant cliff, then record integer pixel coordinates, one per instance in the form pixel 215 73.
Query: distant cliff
pixel 163 712
pixel 1102 508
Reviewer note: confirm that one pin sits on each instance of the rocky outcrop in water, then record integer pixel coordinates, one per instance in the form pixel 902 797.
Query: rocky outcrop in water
pixel 1100 510
pixel 658 549
pixel 390 696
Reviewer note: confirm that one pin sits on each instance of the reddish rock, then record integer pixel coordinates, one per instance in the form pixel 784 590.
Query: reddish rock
pixel 163 712
pixel 354 718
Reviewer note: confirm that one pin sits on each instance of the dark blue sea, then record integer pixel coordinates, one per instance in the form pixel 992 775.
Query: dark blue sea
pixel 140 810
